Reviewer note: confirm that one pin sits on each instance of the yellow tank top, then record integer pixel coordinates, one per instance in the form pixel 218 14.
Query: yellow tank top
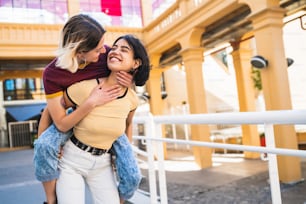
pixel 104 124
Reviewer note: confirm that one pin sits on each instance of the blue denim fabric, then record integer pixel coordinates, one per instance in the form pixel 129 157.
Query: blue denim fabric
pixel 128 172
pixel 46 149
pixel 47 146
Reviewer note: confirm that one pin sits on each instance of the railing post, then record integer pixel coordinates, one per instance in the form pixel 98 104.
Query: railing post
pixel 161 166
pixel 149 132
pixel 273 169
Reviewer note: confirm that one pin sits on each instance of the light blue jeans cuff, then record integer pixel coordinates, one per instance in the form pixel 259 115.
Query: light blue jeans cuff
pixel 46 149
pixel 128 172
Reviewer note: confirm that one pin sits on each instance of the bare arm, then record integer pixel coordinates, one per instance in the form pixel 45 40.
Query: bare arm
pixel 44 122
pixel 129 125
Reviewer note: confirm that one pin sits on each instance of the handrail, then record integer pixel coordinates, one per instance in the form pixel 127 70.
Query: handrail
pixel 279 151
pixel 153 133
pixel 272 117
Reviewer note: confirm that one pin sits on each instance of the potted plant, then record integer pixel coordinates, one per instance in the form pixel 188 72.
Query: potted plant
pixel 256 77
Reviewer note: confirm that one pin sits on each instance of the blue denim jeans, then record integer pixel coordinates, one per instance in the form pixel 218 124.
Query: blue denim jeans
pixel 128 173
pixel 47 147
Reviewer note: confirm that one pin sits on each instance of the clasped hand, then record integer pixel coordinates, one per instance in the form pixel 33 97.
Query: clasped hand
pixel 101 95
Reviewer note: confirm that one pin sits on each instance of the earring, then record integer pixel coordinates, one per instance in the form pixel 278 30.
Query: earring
pixel 83 65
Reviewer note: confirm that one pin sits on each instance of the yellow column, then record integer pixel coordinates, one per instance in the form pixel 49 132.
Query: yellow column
pixel 154 90
pixel 153 87
pixel 73 7
pixel 193 59
pixel 241 56
pixel 268 31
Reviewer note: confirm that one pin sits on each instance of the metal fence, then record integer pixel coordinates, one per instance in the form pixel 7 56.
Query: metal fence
pixel 154 141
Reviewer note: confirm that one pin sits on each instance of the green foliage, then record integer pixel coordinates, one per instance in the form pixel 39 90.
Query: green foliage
pixel 256 77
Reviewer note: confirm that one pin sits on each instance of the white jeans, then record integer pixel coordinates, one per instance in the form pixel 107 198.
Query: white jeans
pixel 78 167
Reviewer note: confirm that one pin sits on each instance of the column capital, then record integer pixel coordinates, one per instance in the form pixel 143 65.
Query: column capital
pixel 192 53
pixel 235 45
pixel 192 38
pixel 268 17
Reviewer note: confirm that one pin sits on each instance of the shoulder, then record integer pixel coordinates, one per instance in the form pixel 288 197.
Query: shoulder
pixel 54 74
pixel 50 66
pixel 51 69
pixel 49 73
pixel 132 93
pixel 54 78
pixel 133 98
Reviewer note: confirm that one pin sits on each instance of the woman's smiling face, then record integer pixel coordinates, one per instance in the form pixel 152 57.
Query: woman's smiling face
pixel 121 57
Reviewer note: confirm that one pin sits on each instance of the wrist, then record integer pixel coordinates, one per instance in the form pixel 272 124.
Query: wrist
pixel 90 104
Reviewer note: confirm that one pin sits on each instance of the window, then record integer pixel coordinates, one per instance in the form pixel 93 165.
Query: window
pixel 33 11
pixel 23 89
pixel 114 12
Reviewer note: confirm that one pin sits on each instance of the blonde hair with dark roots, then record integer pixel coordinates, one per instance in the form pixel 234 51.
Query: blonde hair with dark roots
pixel 81 33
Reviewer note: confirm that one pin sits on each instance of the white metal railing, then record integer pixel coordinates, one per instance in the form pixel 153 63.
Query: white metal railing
pixel 154 140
